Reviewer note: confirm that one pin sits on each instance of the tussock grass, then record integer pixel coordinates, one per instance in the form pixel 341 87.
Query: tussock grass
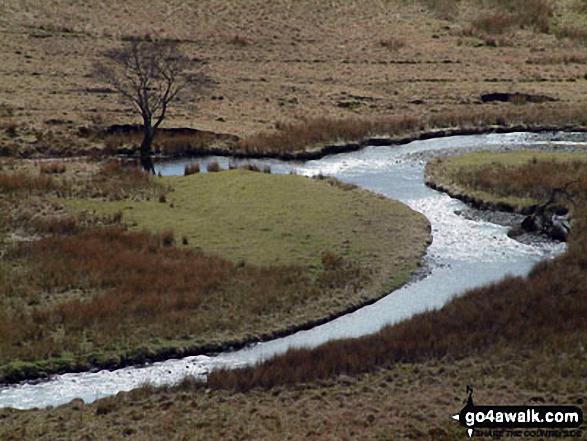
pixel 571 58
pixel 53 168
pixel 213 167
pixel 495 23
pixel 112 181
pixel 136 274
pixel 191 169
pixel 22 182
pixel 239 40
pixel 168 143
pixel 406 401
pixel 573 33
pixel 134 284
pixel 444 9
pixel 316 133
pixel 548 305
pixel 521 179
pixel 534 14
pixel 393 43
pixel 11 129
pixel 137 290
pixel 535 179
pixel 116 181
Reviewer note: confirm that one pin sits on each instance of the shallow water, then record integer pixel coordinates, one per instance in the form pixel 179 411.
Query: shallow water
pixel 464 254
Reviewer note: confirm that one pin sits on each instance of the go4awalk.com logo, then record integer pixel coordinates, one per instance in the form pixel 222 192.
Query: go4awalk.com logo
pixel 520 421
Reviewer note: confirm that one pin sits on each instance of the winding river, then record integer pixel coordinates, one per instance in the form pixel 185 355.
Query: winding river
pixel 464 254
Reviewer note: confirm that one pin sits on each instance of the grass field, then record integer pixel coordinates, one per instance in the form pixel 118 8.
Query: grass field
pixel 265 219
pixel 228 257
pixel 326 67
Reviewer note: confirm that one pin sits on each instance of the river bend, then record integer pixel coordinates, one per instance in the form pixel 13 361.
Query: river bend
pixel 464 254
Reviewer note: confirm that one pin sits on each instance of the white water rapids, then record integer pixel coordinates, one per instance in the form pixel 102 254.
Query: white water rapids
pixel 464 254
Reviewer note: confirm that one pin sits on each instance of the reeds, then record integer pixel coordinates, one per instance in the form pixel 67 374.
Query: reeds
pixel 142 278
pixel 132 285
pixel 533 14
pixel 17 182
pixel 168 143
pixel 535 179
pixel 117 181
pixel 306 134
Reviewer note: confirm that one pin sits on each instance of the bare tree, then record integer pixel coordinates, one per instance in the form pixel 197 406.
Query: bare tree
pixel 150 76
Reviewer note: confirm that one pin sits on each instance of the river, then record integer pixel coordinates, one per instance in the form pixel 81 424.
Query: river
pixel 464 254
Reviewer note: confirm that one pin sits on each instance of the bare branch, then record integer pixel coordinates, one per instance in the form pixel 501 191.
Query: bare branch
pixel 150 76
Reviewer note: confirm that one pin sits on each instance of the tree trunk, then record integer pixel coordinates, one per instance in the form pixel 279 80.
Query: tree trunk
pixel 146 160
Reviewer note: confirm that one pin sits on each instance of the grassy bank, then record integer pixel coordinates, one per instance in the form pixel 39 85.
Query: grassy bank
pixel 312 136
pixel 519 179
pixel 520 341
pixel 231 257
pixel 550 301
pixel 263 219
pixel 405 401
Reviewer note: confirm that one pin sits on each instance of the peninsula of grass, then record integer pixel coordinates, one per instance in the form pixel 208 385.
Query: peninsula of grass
pixel 518 341
pixel 219 259
pixel 516 181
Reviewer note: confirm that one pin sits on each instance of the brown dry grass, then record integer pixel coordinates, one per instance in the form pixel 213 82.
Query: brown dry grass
pixel 534 14
pixel 549 307
pixel 139 278
pixel 296 63
pixel 11 183
pixel 404 401
pixel 109 180
pixel 309 134
pixel 536 179
pixel 134 285
pixel 191 169
pixel 521 180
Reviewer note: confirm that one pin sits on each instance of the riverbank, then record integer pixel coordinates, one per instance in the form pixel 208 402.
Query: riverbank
pixel 407 400
pixel 337 141
pixel 478 340
pixel 288 70
pixel 232 258
pixel 473 177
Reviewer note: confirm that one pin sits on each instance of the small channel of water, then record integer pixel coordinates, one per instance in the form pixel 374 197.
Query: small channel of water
pixel 464 254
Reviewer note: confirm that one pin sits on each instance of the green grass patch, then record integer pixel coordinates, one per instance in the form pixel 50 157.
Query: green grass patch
pixel 270 219
pixel 258 254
